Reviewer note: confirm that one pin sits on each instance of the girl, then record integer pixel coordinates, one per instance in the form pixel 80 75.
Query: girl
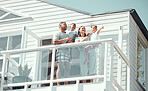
pixel 94 36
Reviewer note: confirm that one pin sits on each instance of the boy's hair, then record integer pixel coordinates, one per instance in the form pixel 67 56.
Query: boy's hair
pixel 94 26
pixel 79 34
pixel 61 23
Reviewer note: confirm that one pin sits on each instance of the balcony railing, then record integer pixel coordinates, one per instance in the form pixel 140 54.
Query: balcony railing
pixel 42 61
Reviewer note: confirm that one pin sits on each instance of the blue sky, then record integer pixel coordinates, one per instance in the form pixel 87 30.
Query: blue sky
pixel 102 6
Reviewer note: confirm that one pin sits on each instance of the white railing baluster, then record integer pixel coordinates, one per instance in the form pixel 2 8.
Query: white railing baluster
pixel 52 69
pixel 128 78
pixel 25 87
pixel 105 63
pixel 111 66
pixel 77 84
pixel 77 79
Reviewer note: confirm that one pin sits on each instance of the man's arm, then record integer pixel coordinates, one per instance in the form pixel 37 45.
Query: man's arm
pixel 73 37
pixel 55 42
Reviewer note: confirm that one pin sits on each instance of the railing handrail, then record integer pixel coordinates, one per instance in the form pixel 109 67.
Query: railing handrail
pixel 16 51
pixel 50 47
pixel 56 80
pixel 121 53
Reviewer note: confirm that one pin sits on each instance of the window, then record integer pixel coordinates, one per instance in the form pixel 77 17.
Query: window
pixel 1 62
pixel 46 60
pixel 141 58
pixel 9 43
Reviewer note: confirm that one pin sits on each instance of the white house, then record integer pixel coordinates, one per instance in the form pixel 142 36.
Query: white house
pixel 26 31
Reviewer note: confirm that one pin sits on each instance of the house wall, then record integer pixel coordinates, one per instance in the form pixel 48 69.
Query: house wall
pixel 134 86
pixel 46 18
pixel 146 67
pixel 112 24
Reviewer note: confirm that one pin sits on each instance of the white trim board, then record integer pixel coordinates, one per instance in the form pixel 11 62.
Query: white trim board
pixel 19 16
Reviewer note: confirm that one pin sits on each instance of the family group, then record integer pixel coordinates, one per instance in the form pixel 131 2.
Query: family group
pixel 87 53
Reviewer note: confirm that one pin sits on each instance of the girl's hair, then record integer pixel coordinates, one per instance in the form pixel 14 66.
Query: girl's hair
pixel 79 34
pixel 73 24
pixel 94 26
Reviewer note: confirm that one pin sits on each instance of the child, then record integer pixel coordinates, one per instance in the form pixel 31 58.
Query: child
pixel 94 36
pixel 72 34
pixel 62 54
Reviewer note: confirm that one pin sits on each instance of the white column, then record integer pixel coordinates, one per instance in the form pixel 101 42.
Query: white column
pixel 23 43
pixel 120 44
pixel 128 67
pixel 3 70
pixel 37 62
pixel 111 67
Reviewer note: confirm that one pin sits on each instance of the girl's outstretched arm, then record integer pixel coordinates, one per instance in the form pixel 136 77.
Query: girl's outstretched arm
pixel 100 29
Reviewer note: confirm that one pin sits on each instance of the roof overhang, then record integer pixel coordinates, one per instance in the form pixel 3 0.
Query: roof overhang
pixel 132 12
pixel 135 17
pixel 139 23
pixel 10 16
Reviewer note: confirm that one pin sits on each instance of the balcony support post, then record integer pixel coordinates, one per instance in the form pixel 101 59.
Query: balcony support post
pixel 3 70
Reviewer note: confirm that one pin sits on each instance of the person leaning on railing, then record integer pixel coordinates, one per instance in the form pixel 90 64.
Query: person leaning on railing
pixel 82 37
pixel 62 54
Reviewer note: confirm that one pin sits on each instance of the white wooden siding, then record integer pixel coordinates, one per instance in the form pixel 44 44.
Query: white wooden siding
pixel 45 23
pixel 133 55
pixel 112 23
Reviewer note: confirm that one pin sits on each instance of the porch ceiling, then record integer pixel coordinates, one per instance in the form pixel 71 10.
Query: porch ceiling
pixel 9 16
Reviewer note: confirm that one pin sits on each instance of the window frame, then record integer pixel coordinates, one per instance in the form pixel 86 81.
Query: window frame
pixel 144 43
pixel 8 35
pixel 41 44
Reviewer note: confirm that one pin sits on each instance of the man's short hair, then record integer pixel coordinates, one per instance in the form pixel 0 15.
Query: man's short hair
pixel 61 23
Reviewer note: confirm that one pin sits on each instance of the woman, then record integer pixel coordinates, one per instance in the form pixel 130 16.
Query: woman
pixel 90 67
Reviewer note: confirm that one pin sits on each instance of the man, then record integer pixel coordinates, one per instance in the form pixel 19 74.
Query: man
pixel 62 54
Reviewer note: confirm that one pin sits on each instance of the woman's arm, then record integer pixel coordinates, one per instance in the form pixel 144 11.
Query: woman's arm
pixel 86 38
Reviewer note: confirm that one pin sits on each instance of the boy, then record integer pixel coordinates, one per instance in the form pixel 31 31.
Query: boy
pixel 62 55
pixel 72 34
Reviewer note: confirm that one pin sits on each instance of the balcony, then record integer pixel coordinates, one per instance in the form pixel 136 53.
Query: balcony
pixel 41 61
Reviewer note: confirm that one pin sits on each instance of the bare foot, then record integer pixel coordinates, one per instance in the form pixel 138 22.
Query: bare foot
pixel 83 81
pixel 58 83
pixel 65 83
pixel 91 80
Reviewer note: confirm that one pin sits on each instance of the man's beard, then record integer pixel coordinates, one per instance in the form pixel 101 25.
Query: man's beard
pixel 64 28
